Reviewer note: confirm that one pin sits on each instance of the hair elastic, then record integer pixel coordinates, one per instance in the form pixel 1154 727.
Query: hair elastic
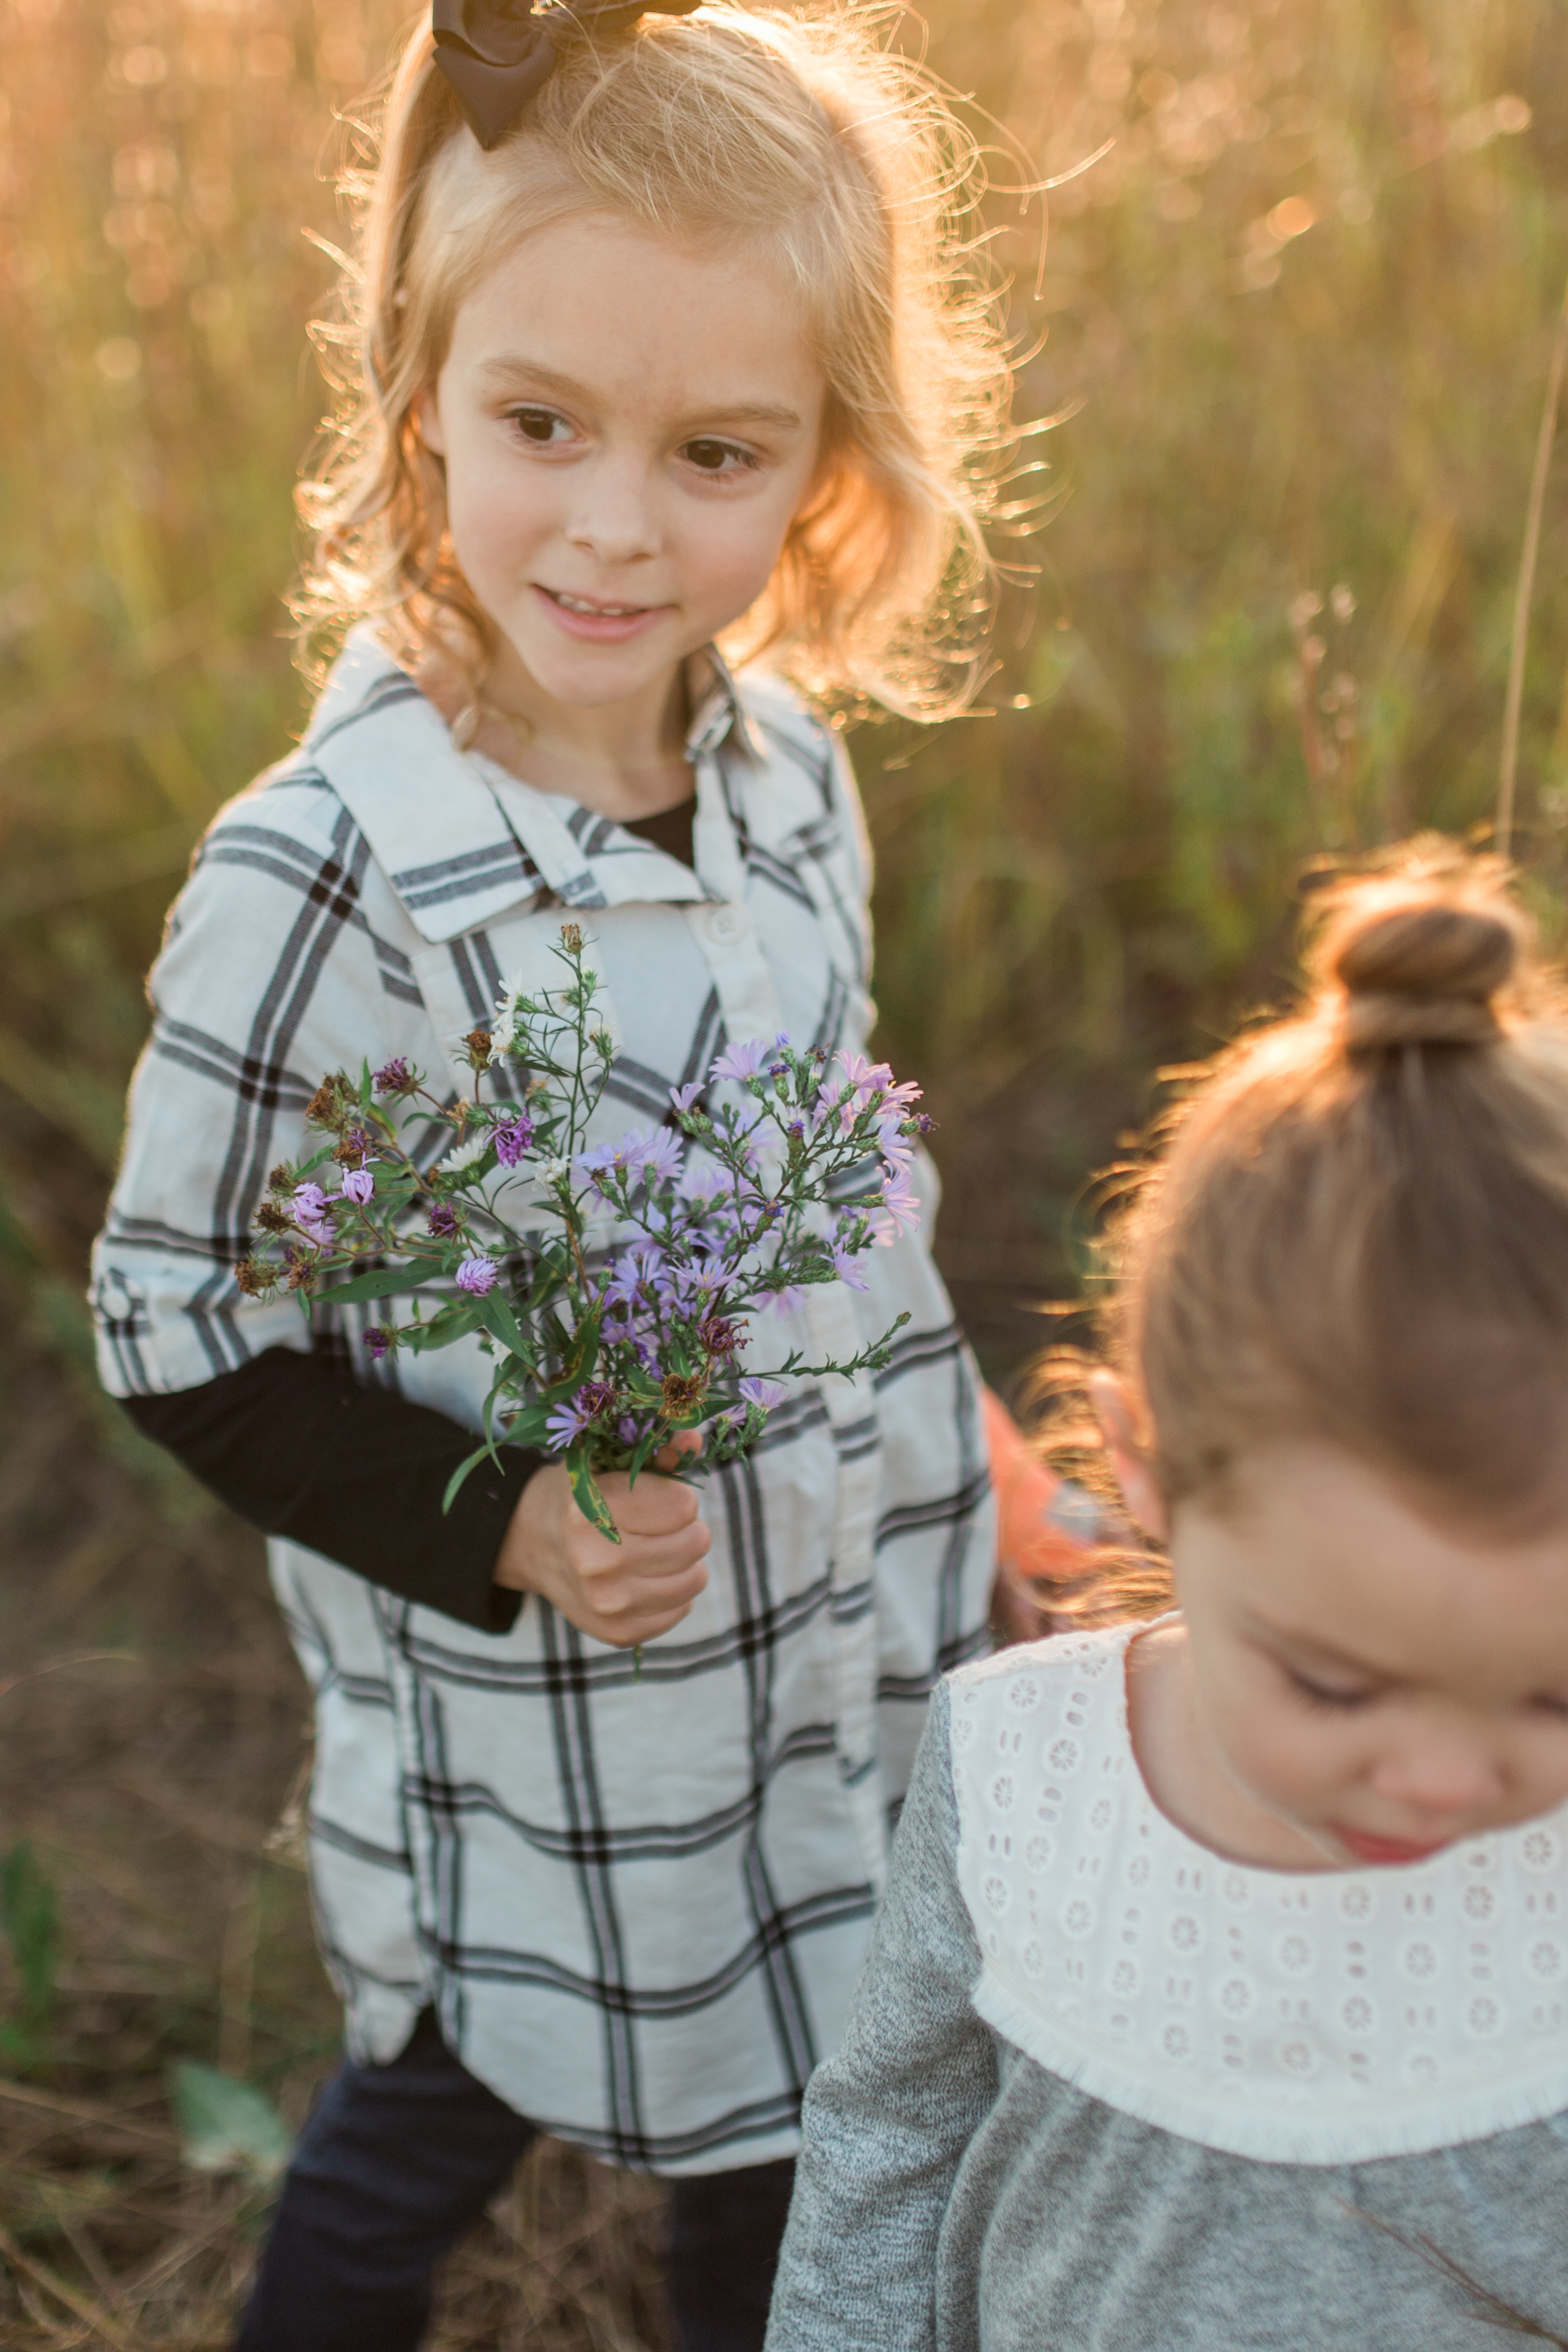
pixel 496 53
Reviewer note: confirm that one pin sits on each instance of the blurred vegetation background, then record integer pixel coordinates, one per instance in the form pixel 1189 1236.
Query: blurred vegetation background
pixel 1295 324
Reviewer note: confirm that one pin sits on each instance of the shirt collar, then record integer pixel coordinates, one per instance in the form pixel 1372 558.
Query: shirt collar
pixel 462 840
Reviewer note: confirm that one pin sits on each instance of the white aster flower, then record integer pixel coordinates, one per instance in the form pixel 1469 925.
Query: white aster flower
pixel 464 1155
pixel 504 1028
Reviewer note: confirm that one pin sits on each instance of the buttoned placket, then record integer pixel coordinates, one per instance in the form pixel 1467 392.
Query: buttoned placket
pixel 727 937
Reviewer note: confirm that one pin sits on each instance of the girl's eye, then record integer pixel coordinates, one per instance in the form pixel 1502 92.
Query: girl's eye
pixel 718 457
pixel 542 426
pixel 1324 1695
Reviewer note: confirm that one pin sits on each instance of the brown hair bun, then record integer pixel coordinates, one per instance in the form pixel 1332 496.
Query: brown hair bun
pixel 1421 960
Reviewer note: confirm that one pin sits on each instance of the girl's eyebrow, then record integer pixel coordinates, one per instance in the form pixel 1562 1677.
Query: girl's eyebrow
pixel 509 367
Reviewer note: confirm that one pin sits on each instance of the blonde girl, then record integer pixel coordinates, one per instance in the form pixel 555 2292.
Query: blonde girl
pixel 660 335
pixel 1220 1997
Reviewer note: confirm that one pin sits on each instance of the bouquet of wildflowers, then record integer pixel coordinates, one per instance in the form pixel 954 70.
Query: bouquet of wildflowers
pixel 606 1343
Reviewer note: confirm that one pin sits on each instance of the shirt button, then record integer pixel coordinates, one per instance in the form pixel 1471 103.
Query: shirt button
pixel 728 924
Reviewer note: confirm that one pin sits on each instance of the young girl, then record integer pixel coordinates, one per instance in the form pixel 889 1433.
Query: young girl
pixel 664 336
pixel 1220 1996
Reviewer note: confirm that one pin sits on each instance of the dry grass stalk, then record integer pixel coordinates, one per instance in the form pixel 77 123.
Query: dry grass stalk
pixel 1525 591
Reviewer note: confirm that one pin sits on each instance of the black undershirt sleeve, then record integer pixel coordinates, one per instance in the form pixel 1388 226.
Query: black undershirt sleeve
pixel 296 1445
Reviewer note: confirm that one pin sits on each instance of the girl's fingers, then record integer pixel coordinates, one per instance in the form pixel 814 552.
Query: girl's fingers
pixel 684 1442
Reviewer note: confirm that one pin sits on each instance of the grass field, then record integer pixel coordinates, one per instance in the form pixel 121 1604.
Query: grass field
pixel 1296 321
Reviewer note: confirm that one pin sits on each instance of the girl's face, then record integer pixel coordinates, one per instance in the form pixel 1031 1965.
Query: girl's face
pixel 1374 1677
pixel 629 427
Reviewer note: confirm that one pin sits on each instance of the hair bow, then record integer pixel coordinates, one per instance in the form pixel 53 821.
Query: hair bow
pixel 497 53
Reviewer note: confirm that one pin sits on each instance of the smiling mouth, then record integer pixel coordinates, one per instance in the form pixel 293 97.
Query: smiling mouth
pixel 592 611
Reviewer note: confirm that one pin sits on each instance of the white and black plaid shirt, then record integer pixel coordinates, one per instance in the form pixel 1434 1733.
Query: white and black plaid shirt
pixel 639 1905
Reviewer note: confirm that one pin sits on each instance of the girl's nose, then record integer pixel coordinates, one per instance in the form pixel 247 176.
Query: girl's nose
pixel 614 519
pixel 1443 1779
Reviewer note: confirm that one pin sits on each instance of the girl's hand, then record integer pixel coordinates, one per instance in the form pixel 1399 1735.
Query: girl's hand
pixel 621 1593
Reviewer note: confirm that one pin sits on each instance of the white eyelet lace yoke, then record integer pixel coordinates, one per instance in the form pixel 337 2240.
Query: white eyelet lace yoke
pixel 1296 2018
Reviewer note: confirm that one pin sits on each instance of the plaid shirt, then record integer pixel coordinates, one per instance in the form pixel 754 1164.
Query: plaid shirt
pixel 640 1906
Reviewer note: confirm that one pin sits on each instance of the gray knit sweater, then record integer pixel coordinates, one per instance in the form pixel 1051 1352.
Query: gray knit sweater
pixel 953 2192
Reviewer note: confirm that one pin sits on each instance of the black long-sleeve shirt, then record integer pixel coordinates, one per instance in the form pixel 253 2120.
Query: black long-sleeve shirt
pixel 298 1447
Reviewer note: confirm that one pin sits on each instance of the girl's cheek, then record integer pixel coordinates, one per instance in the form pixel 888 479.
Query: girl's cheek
pixel 1287 1763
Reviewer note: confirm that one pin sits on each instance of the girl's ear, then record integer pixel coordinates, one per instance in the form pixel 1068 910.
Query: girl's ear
pixel 1118 1425
pixel 427 421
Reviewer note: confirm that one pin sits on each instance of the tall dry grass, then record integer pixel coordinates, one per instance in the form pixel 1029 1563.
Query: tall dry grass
pixel 1298 320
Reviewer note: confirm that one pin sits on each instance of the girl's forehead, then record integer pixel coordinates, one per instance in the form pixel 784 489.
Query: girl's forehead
pixel 1331 1553
pixel 572 264
pixel 610 303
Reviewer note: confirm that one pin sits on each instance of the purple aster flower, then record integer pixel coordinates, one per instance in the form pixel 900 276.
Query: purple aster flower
pixel 566 1422
pixel 478 1275
pixel 702 1185
pixel 359 1186
pixel 865 1078
pixel 787 1301
pixel 891 1143
pixel 512 1137
pixel 666 1158
pixel 685 1098
pixel 741 1062
pixel 899 1210
pixel 626 1159
pixel 377 1342
pixel 394 1077
pixel 763 1394
pixel 848 1271
pixel 312 1215
pixel 443 1221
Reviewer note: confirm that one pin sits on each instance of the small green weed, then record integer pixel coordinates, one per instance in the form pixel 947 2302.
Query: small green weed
pixel 29 1920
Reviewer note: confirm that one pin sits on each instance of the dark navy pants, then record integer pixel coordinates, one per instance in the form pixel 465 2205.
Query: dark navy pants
pixel 397 2161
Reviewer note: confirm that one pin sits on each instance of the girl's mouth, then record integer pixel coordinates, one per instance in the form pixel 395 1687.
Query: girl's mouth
pixel 598 622
pixel 1367 1848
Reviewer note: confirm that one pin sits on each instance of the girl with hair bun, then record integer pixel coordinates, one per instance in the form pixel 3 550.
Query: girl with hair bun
pixel 1220 1995
pixel 666 349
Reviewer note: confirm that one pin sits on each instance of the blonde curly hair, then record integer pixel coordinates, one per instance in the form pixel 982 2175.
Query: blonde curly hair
pixel 805 135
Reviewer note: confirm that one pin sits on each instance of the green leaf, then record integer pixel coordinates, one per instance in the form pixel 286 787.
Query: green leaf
pixel 452 1323
pixel 582 1344
pixel 470 1462
pixel 226 2125
pixel 528 1427
pixel 647 1445
pixel 498 1316
pixel 385 1283
pixel 585 1493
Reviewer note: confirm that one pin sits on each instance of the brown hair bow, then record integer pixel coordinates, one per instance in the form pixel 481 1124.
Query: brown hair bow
pixel 496 53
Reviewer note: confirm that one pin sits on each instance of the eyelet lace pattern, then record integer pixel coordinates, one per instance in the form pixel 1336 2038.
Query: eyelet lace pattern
pixel 1296 2018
